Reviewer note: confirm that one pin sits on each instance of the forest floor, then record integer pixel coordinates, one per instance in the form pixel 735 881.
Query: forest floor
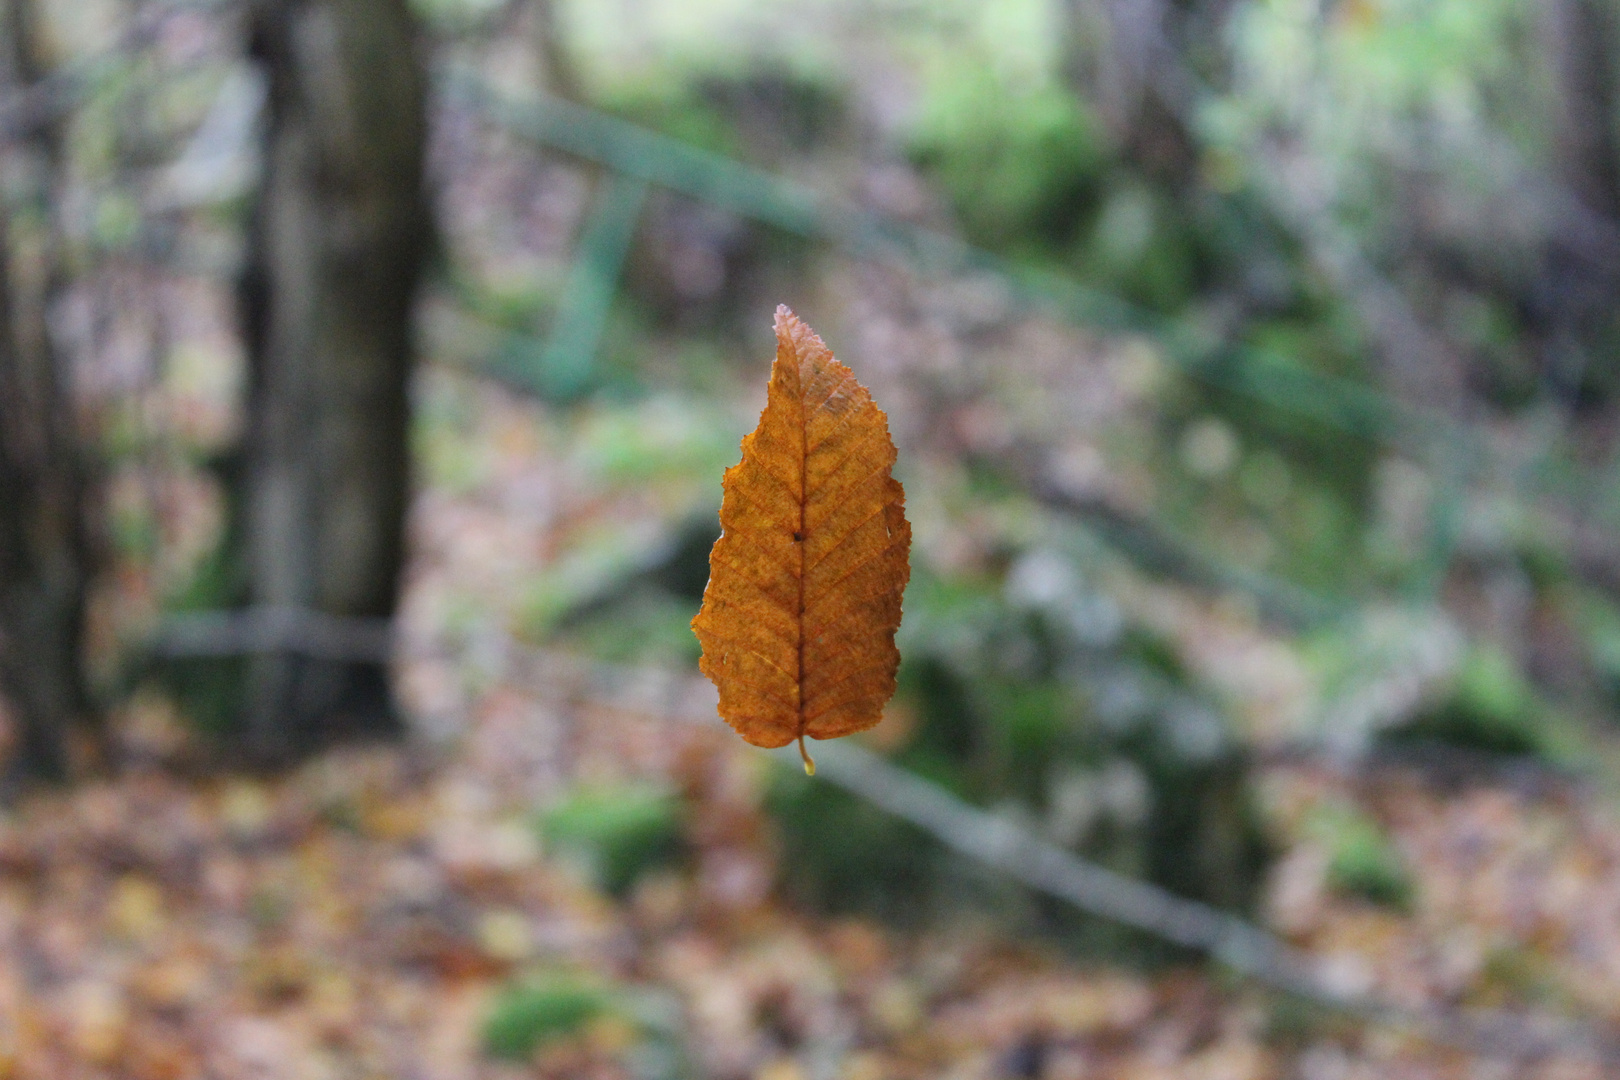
pixel 360 916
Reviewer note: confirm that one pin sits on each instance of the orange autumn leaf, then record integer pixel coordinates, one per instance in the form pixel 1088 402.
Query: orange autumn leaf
pixel 798 620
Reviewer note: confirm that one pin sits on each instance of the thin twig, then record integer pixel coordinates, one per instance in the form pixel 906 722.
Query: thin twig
pixel 272 629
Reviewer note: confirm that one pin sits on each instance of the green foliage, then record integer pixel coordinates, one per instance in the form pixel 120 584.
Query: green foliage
pixel 619 832
pixel 512 302
pixel 658 440
pixel 1505 362
pixel 1491 707
pixel 594 566
pixel 133 529
pixel 1322 440
pixel 649 627
pixel 628 594
pixel 1599 623
pixel 1362 861
pixel 840 854
pixel 529 1015
pixel 1302 466
pixel 1022 169
pixel 1144 247
pixel 451 16
pixel 1031 724
pixel 748 112
pixel 442 430
pixel 208 690
pixel 1154 653
pixel 525 1018
pixel 1293 1021
pixel 678 112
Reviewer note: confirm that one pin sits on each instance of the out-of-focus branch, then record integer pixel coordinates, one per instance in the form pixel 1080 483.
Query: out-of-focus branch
pixel 259 631
pixel 1150 546
pixel 1057 872
pixel 1239 945
pixel 561 73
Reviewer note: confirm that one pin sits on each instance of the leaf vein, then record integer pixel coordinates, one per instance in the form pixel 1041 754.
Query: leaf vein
pixel 837 383
pixel 745 577
pixel 757 504
pixel 758 463
pixel 843 462
pixel 845 538
pixel 742 646
pixel 835 707
pixel 879 666
pixel 849 415
pixel 869 560
pixel 836 628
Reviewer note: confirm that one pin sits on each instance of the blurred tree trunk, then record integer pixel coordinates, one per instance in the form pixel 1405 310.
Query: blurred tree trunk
pixel 335 255
pixel 1137 62
pixel 43 549
pixel 1578 295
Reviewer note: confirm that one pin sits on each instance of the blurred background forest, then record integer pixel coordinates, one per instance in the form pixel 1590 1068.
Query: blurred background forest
pixel 367 372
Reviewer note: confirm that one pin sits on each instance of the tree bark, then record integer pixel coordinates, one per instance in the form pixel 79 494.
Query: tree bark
pixel 1137 62
pixel 335 255
pixel 44 562
pixel 1579 290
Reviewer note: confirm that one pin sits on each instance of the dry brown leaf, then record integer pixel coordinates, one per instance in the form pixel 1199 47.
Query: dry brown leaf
pixel 798 619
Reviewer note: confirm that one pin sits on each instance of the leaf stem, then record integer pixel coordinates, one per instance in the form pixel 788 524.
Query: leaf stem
pixel 809 762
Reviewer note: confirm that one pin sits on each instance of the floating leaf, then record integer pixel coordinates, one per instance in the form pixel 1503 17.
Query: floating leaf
pixel 803 600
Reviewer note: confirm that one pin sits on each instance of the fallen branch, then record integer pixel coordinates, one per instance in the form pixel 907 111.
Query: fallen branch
pixel 1059 873
pixel 262 630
